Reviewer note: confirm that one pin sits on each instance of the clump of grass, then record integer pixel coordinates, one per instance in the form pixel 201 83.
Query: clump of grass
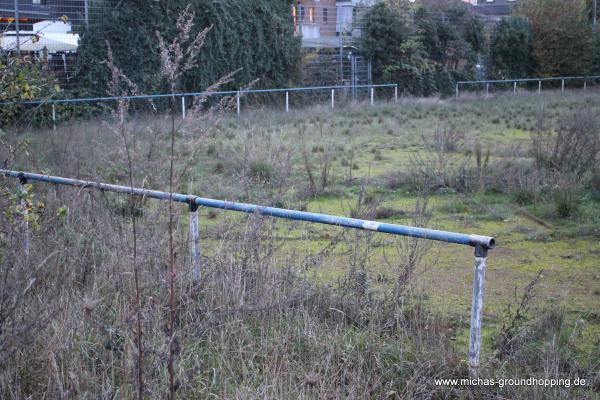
pixel 261 171
pixel 566 194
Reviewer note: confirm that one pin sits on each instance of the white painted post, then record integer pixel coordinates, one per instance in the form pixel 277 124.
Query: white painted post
pixel 332 98
pixel 195 243
pixel 515 87
pixel 487 89
pixel 457 90
pixel 540 87
pixel 562 89
pixel 238 103
pixel 396 93
pixel 25 218
pixel 183 107
pixel 372 97
pixel 477 309
pixel 287 102
pixel 54 116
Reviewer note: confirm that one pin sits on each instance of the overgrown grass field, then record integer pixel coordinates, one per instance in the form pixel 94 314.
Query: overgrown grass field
pixel 293 310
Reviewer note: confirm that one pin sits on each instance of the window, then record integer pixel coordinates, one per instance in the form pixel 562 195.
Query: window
pixel 301 8
pixel 325 14
pixel 311 14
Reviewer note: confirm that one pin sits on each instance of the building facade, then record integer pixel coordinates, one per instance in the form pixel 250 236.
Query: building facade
pixel 330 32
pixel 34 11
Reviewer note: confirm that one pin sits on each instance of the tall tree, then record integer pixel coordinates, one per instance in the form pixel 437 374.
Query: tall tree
pixel 511 49
pixel 562 36
pixel 425 47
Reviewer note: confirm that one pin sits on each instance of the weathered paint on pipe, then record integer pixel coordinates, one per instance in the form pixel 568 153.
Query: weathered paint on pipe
pixel 477 309
pixel 431 234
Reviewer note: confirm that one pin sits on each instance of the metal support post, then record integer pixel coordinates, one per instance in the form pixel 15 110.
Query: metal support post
pixel 183 107
pixel 238 103
pixel 396 93
pixel 515 87
pixel 195 243
pixel 54 116
pixel 477 309
pixel 487 89
pixel 18 27
pixel 540 87
pixel 372 96
pixel 25 217
pixel 332 98
pixel 562 88
pixel 287 102
pixel 584 86
pixel 457 90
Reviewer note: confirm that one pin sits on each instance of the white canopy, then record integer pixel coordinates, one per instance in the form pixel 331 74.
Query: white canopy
pixel 53 41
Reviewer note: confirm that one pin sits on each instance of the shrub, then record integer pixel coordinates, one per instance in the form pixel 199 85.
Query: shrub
pixel 260 171
pixel 22 80
pixel 575 147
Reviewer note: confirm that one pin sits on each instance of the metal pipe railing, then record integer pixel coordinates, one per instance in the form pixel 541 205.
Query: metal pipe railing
pixel 481 243
pixel 237 93
pixel 193 94
pixel 562 79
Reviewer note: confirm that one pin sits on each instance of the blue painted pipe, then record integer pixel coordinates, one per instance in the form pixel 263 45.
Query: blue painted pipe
pixel 191 94
pixel 431 234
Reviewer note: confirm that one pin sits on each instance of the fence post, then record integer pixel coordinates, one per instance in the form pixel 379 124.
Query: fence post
pixel 562 89
pixel 183 107
pixel 396 93
pixel 238 103
pixel 372 97
pixel 515 87
pixel 54 116
pixel 477 309
pixel 287 102
pixel 584 86
pixel 487 89
pixel 194 242
pixel 539 87
pixel 332 98
pixel 25 217
pixel 456 90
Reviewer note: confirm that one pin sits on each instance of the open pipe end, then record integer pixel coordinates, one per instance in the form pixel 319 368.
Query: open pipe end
pixel 485 241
